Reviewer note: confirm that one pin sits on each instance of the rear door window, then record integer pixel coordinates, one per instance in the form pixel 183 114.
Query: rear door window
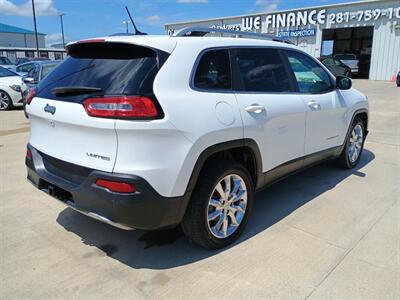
pixel 214 71
pixel 115 68
pixel 262 70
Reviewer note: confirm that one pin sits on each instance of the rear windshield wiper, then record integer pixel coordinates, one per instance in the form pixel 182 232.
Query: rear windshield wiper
pixel 74 91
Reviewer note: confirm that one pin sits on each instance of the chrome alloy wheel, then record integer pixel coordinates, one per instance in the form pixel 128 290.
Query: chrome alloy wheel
pixel 227 206
pixel 4 101
pixel 355 145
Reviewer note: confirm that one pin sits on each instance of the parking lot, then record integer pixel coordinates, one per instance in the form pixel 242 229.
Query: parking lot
pixel 324 233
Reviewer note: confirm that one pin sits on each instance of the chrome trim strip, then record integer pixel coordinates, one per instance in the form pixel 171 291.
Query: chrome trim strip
pixel 99 218
pixel 94 215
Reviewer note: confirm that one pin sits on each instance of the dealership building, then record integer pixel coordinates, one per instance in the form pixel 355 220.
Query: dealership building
pixel 16 42
pixel 368 29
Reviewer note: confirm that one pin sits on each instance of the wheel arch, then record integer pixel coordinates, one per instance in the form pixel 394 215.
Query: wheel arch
pixel 244 151
pixel 363 114
pixel 230 149
pixel 359 113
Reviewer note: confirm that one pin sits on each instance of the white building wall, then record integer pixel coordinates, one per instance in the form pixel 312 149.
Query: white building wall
pixel 385 60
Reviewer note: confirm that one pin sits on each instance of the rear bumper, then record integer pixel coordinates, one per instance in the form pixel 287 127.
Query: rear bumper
pixel 75 186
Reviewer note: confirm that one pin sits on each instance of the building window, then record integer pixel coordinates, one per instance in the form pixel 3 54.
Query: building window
pixel 58 56
pixel 44 54
pixel 29 54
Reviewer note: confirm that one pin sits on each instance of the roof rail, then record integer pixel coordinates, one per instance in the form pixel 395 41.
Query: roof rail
pixel 202 31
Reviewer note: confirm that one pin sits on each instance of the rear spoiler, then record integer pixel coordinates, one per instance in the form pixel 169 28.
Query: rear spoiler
pixel 102 49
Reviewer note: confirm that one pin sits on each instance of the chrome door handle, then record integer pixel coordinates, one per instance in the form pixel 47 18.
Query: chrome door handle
pixel 314 105
pixel 255 108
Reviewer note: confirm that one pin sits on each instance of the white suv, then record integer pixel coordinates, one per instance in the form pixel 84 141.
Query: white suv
pixel 150 132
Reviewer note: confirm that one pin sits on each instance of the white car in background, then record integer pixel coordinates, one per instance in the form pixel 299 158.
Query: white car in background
pixel 350 60
pixel 11 88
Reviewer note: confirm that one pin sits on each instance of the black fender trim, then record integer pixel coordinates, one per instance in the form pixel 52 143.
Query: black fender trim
pixel 355 114
pixel 229 145
pixel 207 153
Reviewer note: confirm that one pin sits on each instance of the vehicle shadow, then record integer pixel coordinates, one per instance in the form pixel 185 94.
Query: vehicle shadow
pixel 165 249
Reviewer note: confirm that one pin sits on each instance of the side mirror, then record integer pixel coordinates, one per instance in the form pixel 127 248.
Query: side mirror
pixel 343 83
pixel 29 80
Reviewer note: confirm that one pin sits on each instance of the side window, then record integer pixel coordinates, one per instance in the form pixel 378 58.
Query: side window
pixel 262 70
pixel 310 76
pixel 34 73
pixel 214 71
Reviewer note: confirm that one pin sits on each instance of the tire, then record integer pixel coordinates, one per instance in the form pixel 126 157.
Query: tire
pixel 5 101
pixel 201 208
pixel 354 142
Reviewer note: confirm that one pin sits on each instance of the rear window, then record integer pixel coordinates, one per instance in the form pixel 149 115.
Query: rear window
pixel 116 68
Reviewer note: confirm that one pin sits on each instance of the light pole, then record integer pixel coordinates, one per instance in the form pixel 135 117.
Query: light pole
pixel 126 23
pixel 34 24
pixel 62 29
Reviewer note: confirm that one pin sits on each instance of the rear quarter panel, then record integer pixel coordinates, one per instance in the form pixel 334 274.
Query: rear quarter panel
pixel 204 118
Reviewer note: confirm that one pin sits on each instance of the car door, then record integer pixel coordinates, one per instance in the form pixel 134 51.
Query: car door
pixel 272 114
pixel 326 108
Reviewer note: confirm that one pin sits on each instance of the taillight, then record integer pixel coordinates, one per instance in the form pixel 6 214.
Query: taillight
pixel 116 186
pixel 28 154
pixel 121 107
pixel 31 95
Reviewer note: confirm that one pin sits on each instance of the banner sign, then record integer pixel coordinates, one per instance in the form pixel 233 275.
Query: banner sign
pixel 305 18
pixel 315 17
pixel 297 33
